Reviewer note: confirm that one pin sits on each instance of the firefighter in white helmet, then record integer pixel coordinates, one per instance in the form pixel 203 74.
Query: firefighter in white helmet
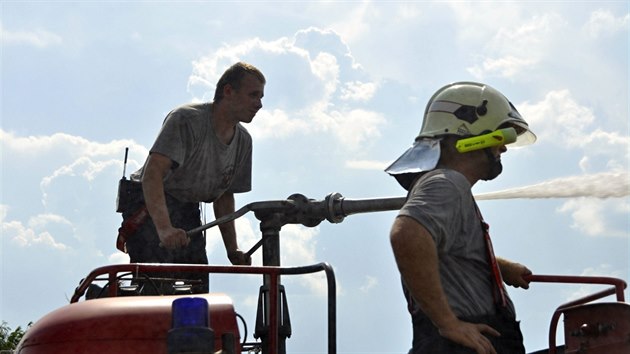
pixel 451 279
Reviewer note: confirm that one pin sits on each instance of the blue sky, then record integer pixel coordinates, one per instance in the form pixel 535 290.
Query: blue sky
pixel 347 85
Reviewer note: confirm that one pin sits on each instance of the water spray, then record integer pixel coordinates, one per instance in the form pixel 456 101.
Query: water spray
pixel 600 185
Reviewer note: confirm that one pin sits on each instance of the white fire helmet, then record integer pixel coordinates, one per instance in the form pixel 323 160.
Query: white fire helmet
pixel 464 109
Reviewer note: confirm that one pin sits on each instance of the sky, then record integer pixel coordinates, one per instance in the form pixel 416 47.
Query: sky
pixel 347 84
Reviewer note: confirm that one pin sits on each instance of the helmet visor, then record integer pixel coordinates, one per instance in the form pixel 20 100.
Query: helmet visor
pixel 524 136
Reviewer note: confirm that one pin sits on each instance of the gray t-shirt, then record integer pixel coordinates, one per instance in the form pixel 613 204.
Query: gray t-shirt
pixel 203 167
pixel 443 203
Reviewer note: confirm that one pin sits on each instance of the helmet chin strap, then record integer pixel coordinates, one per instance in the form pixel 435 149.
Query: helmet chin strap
pixel 495 167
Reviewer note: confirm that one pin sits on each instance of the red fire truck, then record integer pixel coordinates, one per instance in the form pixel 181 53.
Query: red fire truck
pixel 110 313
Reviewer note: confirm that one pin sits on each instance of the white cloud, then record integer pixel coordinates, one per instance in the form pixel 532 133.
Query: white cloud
pixel 507 66
pixel 276 124
pixel 74 156
pixel 561 121
pixel 22 236
pixel 352 128
pixel 603 270
pixel 369 283
pixel 594 217
pixel 325 68
pixel 559 118
pixel 38 38
pixel 118 258
pixel 66 145
pixel 299 245
pixel 530 34
pixel 299 248
pixel 35 145
pixel 4 209
pixel 73 208
pixel 515 49
pixel 208 69
pixel 42 220
pixel 358 91
pixel 42 230
pixel 603 23
pixel 323 87
pixel 64 159
pixel 356 24
pixel 84 167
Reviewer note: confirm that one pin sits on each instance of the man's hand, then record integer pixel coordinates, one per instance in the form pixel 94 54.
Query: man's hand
pixel 237 257
pixel 514 273
pixel 470 335
pixel 172 238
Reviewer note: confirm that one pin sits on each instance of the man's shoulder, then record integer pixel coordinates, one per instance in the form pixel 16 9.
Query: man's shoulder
pixel 191 109
pixel 442 180
pixel 447 175
pixel 189 114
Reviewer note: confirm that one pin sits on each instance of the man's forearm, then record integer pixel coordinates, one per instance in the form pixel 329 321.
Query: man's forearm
pixel 153 190
pixel 224 205
pixel 156 203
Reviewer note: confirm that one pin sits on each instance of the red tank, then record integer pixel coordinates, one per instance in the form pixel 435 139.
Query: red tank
pixel 133 325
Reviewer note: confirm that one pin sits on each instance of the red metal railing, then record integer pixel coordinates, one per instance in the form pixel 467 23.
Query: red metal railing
pixel 274 273
pixel 617 289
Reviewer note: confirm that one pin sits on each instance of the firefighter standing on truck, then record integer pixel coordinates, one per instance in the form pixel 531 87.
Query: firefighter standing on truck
pixel 202 154
pixel 451 279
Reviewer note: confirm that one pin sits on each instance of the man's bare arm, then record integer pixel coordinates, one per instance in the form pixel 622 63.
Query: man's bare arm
pixel 224 205
pixel 156 169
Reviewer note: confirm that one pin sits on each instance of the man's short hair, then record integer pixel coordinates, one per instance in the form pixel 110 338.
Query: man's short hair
pixel 233 77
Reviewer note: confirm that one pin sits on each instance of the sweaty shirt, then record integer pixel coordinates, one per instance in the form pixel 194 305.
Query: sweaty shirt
pixel 203 167
pixel 443 203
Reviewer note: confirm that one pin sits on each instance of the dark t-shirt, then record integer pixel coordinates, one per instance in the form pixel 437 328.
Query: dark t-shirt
pixel 443 203
pixel 204 167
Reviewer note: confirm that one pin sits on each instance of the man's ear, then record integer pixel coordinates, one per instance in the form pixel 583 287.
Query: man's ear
pixel 228 90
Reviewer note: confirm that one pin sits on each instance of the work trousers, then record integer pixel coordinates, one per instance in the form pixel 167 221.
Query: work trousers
pixel 144 247
pixel 427 339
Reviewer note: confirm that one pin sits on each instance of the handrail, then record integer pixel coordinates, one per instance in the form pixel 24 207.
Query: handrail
pixel 272 272
pixel 618 287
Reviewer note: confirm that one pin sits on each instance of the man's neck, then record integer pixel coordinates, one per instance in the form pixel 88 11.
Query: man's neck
pixel 224 127
pixel 464 167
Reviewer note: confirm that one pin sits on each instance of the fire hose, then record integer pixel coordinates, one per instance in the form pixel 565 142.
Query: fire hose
pixel 297 209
